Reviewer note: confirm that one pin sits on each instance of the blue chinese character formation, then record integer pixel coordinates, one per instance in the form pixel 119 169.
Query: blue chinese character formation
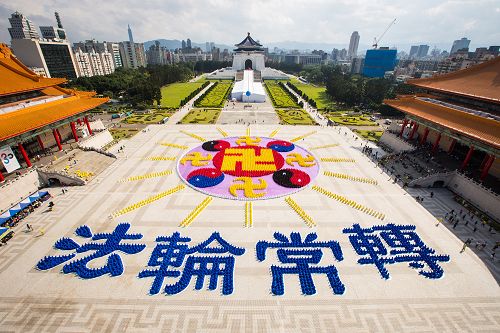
pixel 112 243
pixel 213 262
pixel 299 256
pixel 405 244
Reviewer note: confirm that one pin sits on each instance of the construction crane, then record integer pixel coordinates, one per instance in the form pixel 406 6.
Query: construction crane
pixel 376 41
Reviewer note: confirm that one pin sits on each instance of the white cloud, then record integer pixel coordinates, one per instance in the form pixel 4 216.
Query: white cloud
pixel 227 21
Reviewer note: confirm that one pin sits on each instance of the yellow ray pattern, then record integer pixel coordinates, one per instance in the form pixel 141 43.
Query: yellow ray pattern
pixel 248 131
pixel 349 202
pixel 325 146
pixel 248 214
pixel 195 212
pixel 273 133
pixel 303 136
pixel 337 159
pixel 221 131
pixel 147 176
pixel 147 201
pixel 349 177
pixel 197 137
pixel 173 145
pixel 161 158
pixel 307 219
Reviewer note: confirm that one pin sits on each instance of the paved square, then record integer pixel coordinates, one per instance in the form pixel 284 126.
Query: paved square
pixel 465 298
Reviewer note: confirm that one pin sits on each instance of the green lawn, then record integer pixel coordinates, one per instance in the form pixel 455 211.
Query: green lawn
pixel 295 117
pixel 216 97
pixel 351 120
pixel 279 97
pixel 201 116
pixel 370 135
pixel 318 94
pixel 173 94
pixel 148 118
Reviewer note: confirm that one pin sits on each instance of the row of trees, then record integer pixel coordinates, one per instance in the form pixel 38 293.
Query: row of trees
pixel 311 101
pixel 194 93
pixel 139 87
pixel 356 90
pixel 210 66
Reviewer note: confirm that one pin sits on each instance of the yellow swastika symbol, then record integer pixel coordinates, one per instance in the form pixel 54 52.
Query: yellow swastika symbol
pixel 248 187
pixel 247 140
pixel 197 159
pixel 249 161
pixel 297 158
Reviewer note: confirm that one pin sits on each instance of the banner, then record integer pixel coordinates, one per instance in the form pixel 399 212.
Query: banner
pixel 9 160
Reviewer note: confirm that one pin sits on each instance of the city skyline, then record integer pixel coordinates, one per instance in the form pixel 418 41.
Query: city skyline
pixel 329 22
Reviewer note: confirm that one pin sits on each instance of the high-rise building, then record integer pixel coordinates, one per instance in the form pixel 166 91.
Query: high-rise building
pixel 212 45
pixel 413 52
pixel 114 49
pixel 55 57
pixel 183 44
pixel 378 61
pixel 93 58
pixel 132 54
pixel 54 33
pixel 188 43
pixel 353 45
pixel 157 55
pixel 207 47
pixel 422 51
pixel 459 44
pixel 357 65
pixel 22 27
pixel 52 54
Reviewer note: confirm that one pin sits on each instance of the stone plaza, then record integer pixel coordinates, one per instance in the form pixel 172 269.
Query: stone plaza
pixel 144 189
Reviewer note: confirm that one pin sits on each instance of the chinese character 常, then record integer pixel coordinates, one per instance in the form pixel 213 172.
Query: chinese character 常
pixel 301 257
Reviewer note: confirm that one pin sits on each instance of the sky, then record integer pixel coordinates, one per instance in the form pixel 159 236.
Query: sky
pixel 223 21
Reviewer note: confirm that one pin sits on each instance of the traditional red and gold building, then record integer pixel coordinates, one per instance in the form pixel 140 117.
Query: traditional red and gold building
pixel 459 114
pixel 35 112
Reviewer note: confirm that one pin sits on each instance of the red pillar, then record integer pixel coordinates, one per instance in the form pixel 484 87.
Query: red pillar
pixel 436 143
pixel 467 158
pixel 40 142
pixel 405 122
pixel 88 125
pixel 78 121
pixel 58 141
pixel 59 134
pixel 487 166
pixel 25 155
pixel 73 129
pixel 452 146
pixel 1 177
pixel 483 163
pixel 424 137
pixel 415 128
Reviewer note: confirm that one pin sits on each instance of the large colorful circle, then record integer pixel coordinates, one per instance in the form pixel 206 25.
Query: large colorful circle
pixel 248 168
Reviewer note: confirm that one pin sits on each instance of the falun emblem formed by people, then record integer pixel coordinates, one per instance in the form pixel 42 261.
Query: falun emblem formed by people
pixel 248 168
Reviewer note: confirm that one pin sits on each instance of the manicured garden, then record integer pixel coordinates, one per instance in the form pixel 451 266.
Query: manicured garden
pixel 201 116
pixel 215 96
pixel 148 118
pixel 370 135
pixel 173 94
pixel 294 117
pixel 350 120
pixel 122 133
pixel 279 97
